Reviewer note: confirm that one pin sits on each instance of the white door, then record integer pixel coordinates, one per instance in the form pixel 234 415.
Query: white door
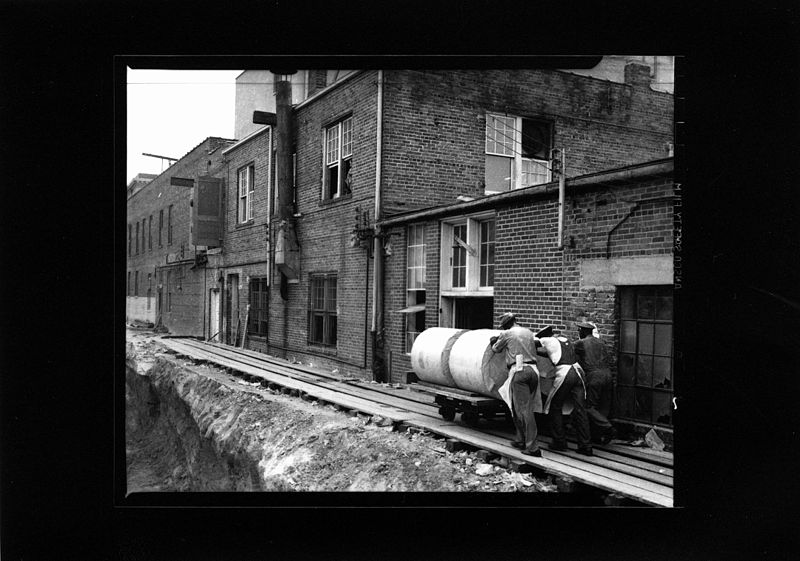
pixel 213 328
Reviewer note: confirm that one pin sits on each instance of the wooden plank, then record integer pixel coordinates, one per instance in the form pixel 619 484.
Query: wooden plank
pixel 350 402
pixel 596 476
pixel 643 491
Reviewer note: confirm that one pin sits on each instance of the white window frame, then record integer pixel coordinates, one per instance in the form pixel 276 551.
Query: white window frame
pixel 246 187
pixel 337 149
pixel 483 249
pixel 500 143
pixel 473 287
pixel 415 284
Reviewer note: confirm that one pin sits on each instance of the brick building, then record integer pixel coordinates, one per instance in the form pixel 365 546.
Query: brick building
pixel 615 269
pixel 419 139
pixel 165 285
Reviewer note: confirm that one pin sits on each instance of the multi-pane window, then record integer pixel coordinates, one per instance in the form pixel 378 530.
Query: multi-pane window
pixel 338 156
pixel 130 239
pixel 136 283
pixel 487 253
pixel 160 227
pixel 459 263
pixel 137 237
pixel 322 313
pixel 246 182
pixel 259 300
pixel 644 368
pixel 150 233
pixel 415 285
pixel 517 152
pixel 169 225
pixel 149 288
pixel 144 226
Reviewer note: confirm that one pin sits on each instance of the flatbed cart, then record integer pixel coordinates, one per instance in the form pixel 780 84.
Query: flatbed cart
pixel 472 406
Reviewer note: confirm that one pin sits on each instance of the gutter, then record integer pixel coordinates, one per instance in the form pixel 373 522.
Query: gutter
pixel 377 251
pixel 628 173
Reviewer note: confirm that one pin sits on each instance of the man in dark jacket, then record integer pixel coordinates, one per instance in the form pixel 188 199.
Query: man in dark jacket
pixel 517 341
pixel 593 357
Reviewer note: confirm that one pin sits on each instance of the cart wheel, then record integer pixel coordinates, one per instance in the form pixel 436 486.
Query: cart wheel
pixel 447 413
pixel 470 418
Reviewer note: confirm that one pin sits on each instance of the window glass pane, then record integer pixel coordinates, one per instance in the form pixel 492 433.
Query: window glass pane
pixel 623 405
pixel 499 173
pixel 646 305
pixel 332 151
pixel 645 338
pixel 316 328
pixel 663 342
pixel 625 369
pixel 331 297
pixel 662 368
pixel 331 188
pixel 664 308
pixel 347 178
pixel 644 404
pixel 347 137
pixel 644 371
pixel 500 134
pixel 628 303
pixel 628 336
pixel 330 336
pixel 662 408
pixel 535 139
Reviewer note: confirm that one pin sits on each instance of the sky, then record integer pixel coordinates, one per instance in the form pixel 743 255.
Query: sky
pixel 172 111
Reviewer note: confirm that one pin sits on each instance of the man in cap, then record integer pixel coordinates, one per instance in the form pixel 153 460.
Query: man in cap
pixel 593 357
pixel 568 382
pixel 523 380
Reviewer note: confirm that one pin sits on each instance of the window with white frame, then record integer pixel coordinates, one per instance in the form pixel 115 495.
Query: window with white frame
pixel 246 182
pixel 517 152
pixel 468 255
pixel 415 285
pixel 338 156
pixel 487 253
pixel 322 310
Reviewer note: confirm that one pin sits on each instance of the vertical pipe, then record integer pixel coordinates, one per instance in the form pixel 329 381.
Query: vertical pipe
pixel 283 103
pixel 377 273
pixel 562 179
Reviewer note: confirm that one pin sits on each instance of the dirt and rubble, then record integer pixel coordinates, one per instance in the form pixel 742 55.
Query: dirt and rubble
pixel 192 427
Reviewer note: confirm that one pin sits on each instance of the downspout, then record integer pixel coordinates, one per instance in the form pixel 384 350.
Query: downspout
pixel 377 251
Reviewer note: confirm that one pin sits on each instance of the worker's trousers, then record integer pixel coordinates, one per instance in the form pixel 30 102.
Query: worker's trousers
pixel 571 386
pixel 523 389
pixel 598 386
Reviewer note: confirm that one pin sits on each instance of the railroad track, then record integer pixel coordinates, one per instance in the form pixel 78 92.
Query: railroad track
pixel 645 476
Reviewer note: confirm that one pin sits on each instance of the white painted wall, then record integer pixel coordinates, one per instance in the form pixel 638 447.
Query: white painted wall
pixel 612 68
pixel 254 92
pixel 136 308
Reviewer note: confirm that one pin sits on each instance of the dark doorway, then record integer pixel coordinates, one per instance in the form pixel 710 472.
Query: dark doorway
pixel 473 313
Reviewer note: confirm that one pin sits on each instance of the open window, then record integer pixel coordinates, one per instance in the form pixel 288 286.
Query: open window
pixel 337 180
pixel 416 294
pixel 517 152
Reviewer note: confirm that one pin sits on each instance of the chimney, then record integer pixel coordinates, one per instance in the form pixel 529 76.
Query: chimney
pixel 637 74
pixel 287 256
pixel 316 81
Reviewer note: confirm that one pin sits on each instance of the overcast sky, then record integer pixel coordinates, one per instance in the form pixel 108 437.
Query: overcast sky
pixel 172 111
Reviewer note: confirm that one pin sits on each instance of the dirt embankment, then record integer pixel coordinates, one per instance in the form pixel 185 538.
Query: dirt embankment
pixel 197 428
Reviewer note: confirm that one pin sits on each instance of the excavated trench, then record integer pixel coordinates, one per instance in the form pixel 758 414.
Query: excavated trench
pixel 193 427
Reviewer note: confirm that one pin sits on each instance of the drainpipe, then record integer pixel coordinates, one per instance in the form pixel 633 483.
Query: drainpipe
pixel 286 248
pixel 377 251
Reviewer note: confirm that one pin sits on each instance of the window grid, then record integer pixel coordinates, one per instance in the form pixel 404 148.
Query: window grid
pixel 259 299
pixel 415 283
pixel 504 137
pixel 246 193
pixel 645 365
pixel 500 135
pixel 338 154
pixel 487 253
pixel 160 227
pixel 150 233
pixel 169 225
pixel 322 328
pixel 137 237
pixel 459 266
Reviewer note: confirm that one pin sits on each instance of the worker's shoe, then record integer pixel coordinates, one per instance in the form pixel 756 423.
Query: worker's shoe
pixel 517 444
pixel 534 453
pixel 558 446
pixel 585 451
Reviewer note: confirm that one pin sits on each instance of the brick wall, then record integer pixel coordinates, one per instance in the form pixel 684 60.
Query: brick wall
pixel 158 195
pixel 532 276
pixel 435 126
pixel 323 231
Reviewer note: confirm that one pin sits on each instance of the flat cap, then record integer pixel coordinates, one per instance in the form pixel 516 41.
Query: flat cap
pixel 585 325
pixel 506 319
pixel 546 332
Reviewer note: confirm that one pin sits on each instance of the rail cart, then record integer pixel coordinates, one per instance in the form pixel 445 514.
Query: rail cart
pixel 472 406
